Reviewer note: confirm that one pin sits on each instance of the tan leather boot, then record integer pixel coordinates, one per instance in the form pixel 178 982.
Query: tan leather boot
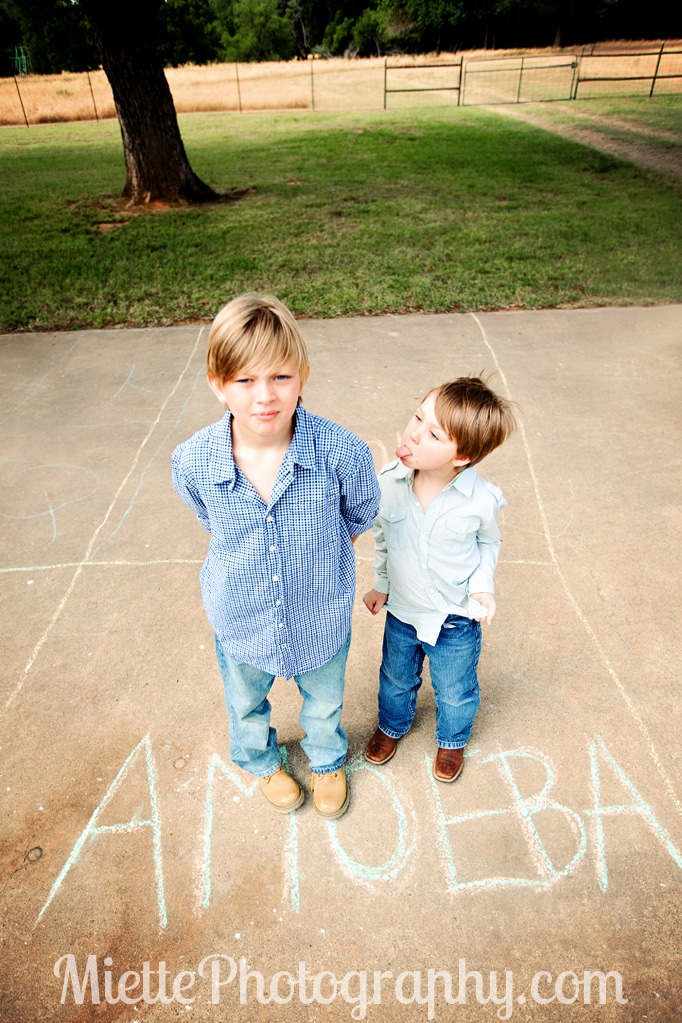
pixel 281 791
pixel 330 793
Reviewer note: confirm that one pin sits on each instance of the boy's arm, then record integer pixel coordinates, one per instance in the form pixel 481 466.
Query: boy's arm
pixel 359 496
pixel 187 492
pixel 481 581
pixel 375 599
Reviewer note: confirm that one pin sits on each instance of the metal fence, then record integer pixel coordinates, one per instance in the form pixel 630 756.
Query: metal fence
pixel 529 78
pixel 369 84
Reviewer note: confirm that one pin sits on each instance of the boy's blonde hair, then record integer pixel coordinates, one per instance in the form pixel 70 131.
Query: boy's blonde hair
pixel 473 416
pixel 252 331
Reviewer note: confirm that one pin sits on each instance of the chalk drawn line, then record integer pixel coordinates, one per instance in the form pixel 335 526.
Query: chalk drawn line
pixel 93 540
pixel 572 600
pixel 102 564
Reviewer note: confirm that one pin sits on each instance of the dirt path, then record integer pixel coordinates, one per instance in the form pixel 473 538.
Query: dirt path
pixel 646 147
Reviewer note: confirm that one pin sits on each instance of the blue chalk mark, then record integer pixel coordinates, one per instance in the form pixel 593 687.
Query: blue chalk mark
pixel 127 383
pixel 92 831
pixel 598 812
pixel 294 883
pixel 52 516
pixel 525 810
pixel 51 509
pixel 402 852
pixel 216 764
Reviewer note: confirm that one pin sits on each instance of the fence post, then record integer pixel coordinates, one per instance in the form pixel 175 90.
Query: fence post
pixel 576 77
pixel 385 73
pixel 239 91
pixel 518 94
pixel 20 100
pixel 459 83
pixel 94 105
pixel 312 84
pixel 658 64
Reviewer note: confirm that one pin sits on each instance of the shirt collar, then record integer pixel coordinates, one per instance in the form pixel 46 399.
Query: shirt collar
pixel 463 481
pixel 222 468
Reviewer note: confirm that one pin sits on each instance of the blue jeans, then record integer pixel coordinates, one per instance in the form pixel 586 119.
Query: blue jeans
pixel 253 743
pixel 452 662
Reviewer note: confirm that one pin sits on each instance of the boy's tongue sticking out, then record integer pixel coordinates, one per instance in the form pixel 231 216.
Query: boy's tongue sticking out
pixel 403 452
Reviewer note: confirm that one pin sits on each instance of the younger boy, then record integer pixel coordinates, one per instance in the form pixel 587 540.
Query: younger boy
pixel 283 495
pixel 436 542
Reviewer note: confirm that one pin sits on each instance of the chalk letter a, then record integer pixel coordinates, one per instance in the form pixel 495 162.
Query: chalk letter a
pixel 638 805
pixel 93 830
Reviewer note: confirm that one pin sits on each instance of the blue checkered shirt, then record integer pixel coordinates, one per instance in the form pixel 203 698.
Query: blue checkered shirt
pixel 278 582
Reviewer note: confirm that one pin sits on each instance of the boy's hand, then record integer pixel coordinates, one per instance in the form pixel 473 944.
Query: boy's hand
pixel 489 603
pixel 374 601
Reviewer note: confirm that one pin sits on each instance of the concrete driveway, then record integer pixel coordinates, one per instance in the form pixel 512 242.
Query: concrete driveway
pixel 143 877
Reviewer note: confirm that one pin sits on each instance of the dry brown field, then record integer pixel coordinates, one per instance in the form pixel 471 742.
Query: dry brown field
pixel 339 84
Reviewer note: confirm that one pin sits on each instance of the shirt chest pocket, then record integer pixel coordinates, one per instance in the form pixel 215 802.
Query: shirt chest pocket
pixel 459 534
pixel 394 524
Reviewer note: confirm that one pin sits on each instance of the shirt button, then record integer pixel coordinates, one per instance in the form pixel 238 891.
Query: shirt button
pixel 269 519
pixel 278 602
pixel 423 566
pixel 280 625
pixel 273 548
pixel 275 578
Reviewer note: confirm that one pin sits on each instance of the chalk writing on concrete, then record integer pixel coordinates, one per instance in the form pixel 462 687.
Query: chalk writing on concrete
pixel 522 810
pixel 93 830
pixel 403 847
pixel 599 752
pixel 519 812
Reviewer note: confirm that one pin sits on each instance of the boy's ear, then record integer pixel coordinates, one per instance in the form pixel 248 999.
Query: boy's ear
pixel 460 463
pixel 217 387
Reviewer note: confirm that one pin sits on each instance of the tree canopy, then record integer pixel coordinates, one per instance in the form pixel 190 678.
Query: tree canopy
pixel 57 37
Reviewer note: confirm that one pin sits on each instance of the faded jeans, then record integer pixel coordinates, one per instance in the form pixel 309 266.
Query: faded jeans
pixel 452 662
pixel 253 743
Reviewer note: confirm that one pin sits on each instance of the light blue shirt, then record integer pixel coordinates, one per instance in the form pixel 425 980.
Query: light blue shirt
pixel 279 579
pixel 429 562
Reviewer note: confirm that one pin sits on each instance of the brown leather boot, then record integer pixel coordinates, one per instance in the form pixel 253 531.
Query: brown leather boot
pixel 448 764
pixel 380 748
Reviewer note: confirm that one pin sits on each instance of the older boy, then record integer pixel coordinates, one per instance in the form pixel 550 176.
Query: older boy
pixel 283 495
pixel 436 541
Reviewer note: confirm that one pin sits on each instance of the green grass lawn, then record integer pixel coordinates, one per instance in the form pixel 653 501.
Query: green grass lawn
pixel 379 212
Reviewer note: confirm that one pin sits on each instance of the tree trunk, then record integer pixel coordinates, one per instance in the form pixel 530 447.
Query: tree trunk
pixel 156 163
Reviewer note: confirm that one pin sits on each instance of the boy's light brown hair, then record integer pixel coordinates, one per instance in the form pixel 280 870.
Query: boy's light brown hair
pixel 254 331
pixel 472 415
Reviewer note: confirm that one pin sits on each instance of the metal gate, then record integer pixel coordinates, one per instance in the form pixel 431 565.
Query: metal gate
pixel 522 79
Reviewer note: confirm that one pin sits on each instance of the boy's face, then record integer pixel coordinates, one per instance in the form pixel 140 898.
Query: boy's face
pixel 426 446
pixel 262 400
